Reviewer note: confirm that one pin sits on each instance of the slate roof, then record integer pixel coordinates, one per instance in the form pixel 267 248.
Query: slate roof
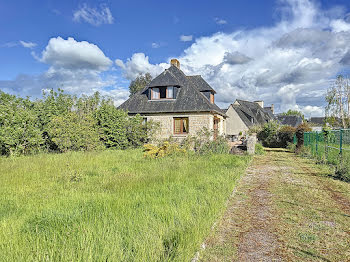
pixel 293 121
pixel 251 113
pixel 317 120
pixel 188 97
pixel 200 83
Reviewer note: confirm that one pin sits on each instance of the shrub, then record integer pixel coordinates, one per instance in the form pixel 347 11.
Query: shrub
pixel 72 132
pixel 268 134
pixel 19 129
pixel 286 135
pixel 217 146
pixel 304 127
pixel 202 143
pixel 166 149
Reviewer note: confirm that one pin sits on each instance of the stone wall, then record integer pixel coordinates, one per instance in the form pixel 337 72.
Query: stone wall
pixel 197 121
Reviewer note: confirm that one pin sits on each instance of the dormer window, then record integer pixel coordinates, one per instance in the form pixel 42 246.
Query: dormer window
pixel 164 92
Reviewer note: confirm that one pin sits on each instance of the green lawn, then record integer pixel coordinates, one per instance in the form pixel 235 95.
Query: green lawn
pixel 111 205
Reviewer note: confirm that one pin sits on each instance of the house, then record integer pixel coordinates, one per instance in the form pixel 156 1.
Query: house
pixel 317 123
pixel 292 120
pixel 242 115
pixel 183 105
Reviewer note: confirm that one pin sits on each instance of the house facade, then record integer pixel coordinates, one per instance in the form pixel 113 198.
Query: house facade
pixel 182 105
pixel 242 115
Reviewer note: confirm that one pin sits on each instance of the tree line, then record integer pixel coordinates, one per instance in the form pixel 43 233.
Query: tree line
pixel 60 122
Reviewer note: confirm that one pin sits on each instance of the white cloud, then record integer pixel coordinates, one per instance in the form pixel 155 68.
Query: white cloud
pixel 94 16
pixel 290 63
pixel 155 45
pixel 139 64
pixel 220 21
pixel 186 38
pixel 28 44
pixel 76 67
pixel 71 54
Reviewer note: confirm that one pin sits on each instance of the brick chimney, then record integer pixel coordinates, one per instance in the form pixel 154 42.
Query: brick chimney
pixel 260 103
pixel 175 62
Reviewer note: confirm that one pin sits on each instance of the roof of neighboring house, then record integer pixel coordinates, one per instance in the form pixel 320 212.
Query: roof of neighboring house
pixel 188 98
pixel 317 120
pixel 293 121
pixel 251 113
pixel 320 121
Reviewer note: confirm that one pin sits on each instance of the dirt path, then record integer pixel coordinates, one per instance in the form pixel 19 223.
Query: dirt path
pixel 259 242
pixel 284 209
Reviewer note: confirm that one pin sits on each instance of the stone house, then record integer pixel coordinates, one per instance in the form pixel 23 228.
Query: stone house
pixel 183 105
pixel 242 115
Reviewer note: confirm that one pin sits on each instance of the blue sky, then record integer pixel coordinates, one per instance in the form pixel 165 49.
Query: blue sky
pixel 285 52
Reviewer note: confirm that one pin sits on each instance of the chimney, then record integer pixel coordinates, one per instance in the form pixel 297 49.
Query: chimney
pixel 175 62
pixel 273 108
pixel 260 103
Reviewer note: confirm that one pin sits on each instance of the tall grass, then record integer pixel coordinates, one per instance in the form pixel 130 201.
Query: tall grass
pixel 111 205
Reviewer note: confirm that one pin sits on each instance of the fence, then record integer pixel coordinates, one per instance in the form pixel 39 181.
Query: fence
pixel 331 147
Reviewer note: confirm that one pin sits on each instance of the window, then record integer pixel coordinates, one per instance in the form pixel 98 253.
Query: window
pixel 155 93
pixel 166 92
pixel 180 125
pixel 170 92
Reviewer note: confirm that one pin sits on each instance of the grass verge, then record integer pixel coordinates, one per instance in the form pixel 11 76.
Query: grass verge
pixel 111 205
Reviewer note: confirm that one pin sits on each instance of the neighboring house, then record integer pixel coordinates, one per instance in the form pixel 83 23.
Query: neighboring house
pixel 242 115
pixel 182 104
pixel 317 123
pixel 293 121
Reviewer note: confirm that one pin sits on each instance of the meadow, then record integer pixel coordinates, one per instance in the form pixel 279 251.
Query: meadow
pixel 111 205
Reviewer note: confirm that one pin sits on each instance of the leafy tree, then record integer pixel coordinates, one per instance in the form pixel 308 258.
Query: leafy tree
pixel 338 101
pixel 139 83
pixel 112 123
pixel 291 112
pixel 71 132
pixel 19 129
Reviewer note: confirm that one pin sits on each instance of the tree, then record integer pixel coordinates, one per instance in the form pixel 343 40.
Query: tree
pixel 291 112
pixel 338 100
pixel 72 132
pixel 19 129
pixel 139 83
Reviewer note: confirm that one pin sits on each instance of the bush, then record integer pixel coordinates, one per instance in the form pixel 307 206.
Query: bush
pixel 301 129
pixel 61 122
pixel 286 135
pixel 72 132
pixel 19 129
pixel 202 143
pixel 166 149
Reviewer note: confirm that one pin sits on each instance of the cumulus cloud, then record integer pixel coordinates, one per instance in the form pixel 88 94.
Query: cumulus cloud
pixel 94 16
pixel 139 64
pixel 290 63
pixel 28 44
pixel 78 67
pixel 186 38
pixel 236 58
pixel 71 54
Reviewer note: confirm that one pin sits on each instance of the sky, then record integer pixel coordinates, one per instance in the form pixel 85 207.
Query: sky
pixel 284 52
